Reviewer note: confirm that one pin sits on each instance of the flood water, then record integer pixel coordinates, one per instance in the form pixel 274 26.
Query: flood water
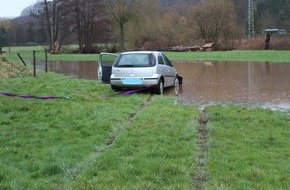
pixel 253 83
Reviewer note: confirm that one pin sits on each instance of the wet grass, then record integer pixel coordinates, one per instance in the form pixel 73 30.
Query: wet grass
pixel 27 56
pixel 236 55
pixel 95 140
pixel 248 148
pixel 154 152
pixel 92 138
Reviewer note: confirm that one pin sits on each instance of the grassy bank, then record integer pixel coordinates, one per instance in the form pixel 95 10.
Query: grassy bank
pixel 237 55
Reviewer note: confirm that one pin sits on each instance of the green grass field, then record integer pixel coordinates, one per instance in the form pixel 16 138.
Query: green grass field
pixel 236 55
pixel 93 139
pixel 97 140
pixel 248 148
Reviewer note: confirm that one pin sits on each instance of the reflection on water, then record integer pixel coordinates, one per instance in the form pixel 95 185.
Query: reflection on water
pixel 82 69
pixel 265 84
pixel 258 83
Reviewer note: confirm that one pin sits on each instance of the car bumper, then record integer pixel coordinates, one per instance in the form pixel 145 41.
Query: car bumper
pixel 133 82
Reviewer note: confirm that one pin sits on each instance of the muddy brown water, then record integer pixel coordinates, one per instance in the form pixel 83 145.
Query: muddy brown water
pixel 264 84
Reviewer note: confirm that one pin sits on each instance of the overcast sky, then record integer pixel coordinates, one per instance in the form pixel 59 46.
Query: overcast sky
pixel 13 8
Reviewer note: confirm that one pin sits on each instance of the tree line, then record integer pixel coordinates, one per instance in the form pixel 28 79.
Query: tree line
pixel 127 24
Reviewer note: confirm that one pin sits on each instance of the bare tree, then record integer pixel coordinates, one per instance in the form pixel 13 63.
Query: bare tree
pixel 122 12
pixel 164 27
pixel 65 18
pixel 213 19
pixel 53 15
pixel 144 30
pixel 177 30
pixel 88 20
pixel 3 38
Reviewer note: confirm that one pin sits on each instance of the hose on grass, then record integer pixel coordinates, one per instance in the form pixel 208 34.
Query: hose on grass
pixel 33 97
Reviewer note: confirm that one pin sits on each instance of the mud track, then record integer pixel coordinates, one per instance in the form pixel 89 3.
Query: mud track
pixel 200 174
pixel 130 118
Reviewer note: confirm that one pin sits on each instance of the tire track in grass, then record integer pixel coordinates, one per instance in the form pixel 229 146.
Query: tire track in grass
pixel 110 140
pixel 72 174
pixel 200 174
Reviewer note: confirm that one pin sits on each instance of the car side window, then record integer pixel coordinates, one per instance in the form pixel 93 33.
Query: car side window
pixel 161 60
pixel 167 61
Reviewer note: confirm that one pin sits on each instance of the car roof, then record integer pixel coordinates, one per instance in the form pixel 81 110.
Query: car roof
pixel 136 52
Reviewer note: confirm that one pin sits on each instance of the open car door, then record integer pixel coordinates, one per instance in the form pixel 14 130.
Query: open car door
pixel 105 64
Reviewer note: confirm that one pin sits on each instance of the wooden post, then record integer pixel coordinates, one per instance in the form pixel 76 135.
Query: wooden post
pixel 21 59
pixel 34 64
pixel 45 60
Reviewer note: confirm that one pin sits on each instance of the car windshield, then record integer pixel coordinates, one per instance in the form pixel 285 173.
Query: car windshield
pixel 136 60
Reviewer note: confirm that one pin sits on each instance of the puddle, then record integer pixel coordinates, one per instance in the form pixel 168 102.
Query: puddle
pixel 80 69
pixel 264 84
pixel 253 83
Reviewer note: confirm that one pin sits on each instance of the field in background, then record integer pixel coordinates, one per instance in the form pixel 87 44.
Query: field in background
pixel 235 55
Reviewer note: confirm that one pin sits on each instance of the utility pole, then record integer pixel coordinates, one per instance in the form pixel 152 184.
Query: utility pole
pixel 251 26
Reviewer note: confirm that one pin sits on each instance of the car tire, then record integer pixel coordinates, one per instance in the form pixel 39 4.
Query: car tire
pixel 176 81
pixel 160 87
pixel 176 86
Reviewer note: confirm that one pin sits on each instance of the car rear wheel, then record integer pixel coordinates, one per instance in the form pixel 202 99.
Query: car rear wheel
pixel 160 87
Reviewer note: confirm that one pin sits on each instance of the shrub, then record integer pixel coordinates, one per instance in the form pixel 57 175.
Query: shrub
pixel 277 42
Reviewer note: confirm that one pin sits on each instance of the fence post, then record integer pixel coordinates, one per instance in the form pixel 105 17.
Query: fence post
pixel 21 59
pixel 34 64
pixel 45 60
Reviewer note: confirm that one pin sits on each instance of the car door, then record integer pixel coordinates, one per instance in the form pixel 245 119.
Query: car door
pixel 105 64
pixel 168 70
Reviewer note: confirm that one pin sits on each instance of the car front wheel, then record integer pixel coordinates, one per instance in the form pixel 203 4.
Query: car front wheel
pixel 176 82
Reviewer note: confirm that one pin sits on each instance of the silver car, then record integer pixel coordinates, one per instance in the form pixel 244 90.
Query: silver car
pixel 137 69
